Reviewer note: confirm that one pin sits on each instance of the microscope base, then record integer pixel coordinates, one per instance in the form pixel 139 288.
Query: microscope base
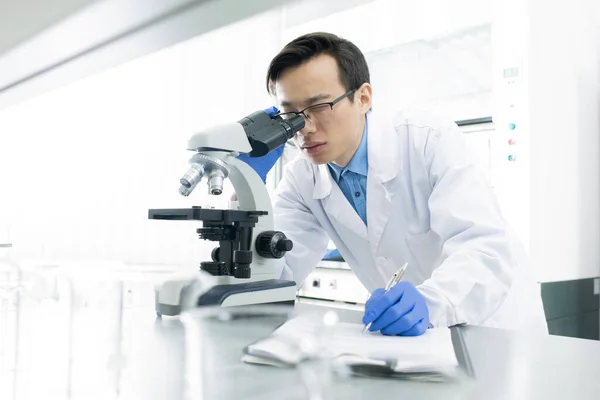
pixel 258 292
pixel 271 291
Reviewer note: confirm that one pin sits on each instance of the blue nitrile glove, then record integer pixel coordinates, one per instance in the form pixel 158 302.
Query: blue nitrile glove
pixel 401 311
pixel 333 255
pixel 262 165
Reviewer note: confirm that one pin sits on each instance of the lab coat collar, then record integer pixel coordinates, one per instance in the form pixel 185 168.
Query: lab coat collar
pixel 383 156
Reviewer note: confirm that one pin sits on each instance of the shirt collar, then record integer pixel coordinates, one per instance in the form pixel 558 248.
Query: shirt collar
pixel 359 162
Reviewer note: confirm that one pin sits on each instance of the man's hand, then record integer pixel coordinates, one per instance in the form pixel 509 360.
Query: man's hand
pixel 401 311
pixel 262 165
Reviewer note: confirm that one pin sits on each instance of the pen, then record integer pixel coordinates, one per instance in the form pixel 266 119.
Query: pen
pixel 391 283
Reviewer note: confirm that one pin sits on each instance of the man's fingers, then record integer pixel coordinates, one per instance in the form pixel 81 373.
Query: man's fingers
pixel 392 314
pixel 417 330
pixel 377 293
pixel 402 324
pixel 384 302
pixel 407 326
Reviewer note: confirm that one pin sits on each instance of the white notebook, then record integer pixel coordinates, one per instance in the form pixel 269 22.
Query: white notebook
pixel 430 353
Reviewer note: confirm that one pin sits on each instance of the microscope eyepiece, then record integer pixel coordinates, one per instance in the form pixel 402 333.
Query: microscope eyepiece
pixel 292 125
pixel 266 133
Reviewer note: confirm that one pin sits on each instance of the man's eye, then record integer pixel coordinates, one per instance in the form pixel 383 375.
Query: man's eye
pixel 319 108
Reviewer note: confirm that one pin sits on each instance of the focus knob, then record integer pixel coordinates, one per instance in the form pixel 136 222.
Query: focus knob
pixel 284 245
pixel 273 244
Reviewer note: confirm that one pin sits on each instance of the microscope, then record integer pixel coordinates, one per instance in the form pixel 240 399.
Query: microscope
pixel 245 266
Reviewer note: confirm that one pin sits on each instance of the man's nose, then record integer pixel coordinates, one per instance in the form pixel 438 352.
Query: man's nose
pixel 309 126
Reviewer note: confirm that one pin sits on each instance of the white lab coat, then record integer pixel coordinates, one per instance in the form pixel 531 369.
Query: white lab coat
pixel 428 205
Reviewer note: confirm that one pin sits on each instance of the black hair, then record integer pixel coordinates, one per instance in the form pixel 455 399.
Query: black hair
pixel 352 66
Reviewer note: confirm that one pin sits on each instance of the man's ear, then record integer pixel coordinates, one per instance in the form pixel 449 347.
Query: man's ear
pixel 365 97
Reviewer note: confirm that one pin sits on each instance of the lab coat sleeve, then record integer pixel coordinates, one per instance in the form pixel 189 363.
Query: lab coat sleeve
pixel 297 222
pixel 478 268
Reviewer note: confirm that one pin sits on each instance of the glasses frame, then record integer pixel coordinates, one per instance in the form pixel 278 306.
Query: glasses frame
pixel 328 103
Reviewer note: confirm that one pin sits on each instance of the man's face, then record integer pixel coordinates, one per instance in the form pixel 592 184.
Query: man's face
pixel 330 135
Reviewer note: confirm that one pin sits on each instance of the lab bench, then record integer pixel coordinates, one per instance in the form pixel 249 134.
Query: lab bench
pixel 498 364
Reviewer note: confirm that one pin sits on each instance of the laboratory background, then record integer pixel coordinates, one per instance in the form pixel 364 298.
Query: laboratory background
pixel 98 100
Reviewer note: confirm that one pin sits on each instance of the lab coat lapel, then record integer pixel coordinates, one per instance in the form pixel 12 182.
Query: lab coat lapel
pixel 335 203
pixel 384 166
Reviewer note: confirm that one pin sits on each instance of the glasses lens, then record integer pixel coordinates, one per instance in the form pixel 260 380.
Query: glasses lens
pixel 318 110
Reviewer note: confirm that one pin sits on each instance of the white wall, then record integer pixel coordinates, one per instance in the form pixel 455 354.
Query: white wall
pixel 451 74
pixel 81 166
pixel 416 58
pixel 382 24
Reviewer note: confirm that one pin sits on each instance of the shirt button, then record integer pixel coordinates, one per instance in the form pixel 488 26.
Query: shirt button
pixel 380 261
pixel 357 194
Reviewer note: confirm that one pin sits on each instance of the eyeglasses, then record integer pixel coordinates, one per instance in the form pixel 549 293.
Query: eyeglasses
pixel 316 109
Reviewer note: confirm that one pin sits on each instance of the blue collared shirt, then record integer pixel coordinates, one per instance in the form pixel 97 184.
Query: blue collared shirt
pixel 352 179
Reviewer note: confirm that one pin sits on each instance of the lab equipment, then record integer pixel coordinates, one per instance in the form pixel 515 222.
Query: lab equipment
pixel 262 165
pixel 10 297
pixel 391 283
pixel 68 333
pixel 246 263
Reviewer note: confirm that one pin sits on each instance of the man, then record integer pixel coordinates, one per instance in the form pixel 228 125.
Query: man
pixel 389 191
